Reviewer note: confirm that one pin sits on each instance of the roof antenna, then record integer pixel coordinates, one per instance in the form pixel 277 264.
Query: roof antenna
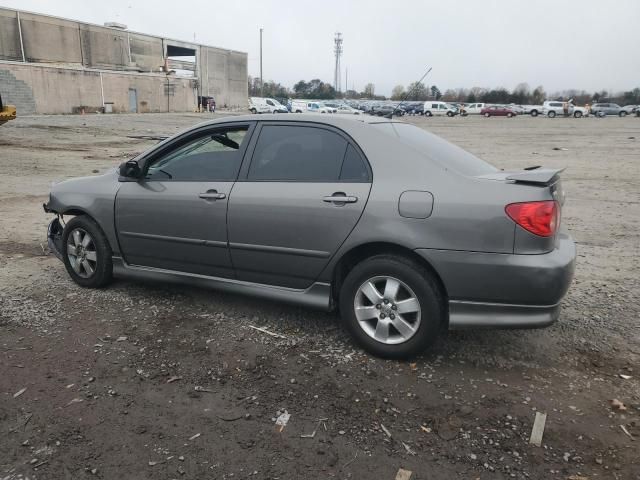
pixel 406 95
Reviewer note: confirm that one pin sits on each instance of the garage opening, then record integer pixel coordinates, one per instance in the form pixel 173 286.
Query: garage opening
pixel 181 60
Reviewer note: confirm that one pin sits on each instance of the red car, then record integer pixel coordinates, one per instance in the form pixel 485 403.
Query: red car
pixel 497 111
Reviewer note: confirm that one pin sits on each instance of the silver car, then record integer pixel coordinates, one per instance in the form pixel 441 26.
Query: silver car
pixel 401 231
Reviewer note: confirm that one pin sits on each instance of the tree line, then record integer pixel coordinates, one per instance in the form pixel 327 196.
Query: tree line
pixel 522 94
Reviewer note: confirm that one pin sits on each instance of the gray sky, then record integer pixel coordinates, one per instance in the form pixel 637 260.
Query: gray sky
pixel 560 44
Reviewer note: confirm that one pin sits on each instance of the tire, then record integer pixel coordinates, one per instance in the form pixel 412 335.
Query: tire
pixel 551 114
pixel 428 114
pixel 577 114
pixel 254 111
pixel 487 115
pixel 449 114
pixel 622 114
pixel 95 251
pixel 509 115
pixel 534 113
pixel 415 283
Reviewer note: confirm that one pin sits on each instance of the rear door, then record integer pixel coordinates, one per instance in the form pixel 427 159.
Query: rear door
pixel 175 217
pixel 295 203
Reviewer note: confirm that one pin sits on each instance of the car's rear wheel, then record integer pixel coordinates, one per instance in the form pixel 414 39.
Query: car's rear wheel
pixel 391 306
pixel 428 114
pixel 534 113
pixel 487 114
pixel 551 114
pixel 254 111
pixel 623 113
pixel 509 114
pixel 449 114
pixel 86 254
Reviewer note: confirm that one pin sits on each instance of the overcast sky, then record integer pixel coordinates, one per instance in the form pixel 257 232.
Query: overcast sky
pixel 560 44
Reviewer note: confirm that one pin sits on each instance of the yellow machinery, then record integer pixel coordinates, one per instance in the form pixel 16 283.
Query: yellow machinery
pixel 7 112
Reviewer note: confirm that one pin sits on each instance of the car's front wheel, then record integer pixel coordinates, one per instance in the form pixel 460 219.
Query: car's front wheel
pixel 87 254
pixel 577 114
pixel 534 113
pixel 623 113
pixel 551 114
pixel 487 114
pixel 391 306
pixel 428 114
pixel 509 114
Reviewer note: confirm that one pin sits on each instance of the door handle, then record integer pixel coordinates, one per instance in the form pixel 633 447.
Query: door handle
pixel 212 195
pixel 340 198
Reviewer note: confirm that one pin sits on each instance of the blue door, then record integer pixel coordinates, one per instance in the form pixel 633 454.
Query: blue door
pixel 133 100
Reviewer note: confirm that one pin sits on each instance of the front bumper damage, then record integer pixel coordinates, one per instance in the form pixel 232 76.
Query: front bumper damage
pixel 54 237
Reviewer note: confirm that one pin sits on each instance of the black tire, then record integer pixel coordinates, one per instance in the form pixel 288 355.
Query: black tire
pixel 449 114
pixel 254 111
pixel 425 288
pixel 103 269
pixel 551 114
pixel 622 113
pixel 487 114
pixel 577 114
pixel 534 113
pixel 509 115
pixel 428 114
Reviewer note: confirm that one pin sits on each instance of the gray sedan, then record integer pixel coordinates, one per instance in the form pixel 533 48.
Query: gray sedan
pixel 401 231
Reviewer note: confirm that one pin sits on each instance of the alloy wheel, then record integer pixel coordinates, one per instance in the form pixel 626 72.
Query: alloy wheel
pixel 81 250
pixel 387 310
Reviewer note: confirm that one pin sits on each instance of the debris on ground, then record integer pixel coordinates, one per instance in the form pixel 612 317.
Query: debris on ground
pixel 193 437
pixel 624 429
pixel 19 392
pixel 75 400
pixel 408 449
pixel 538 429
pixel 403 474
pixel 264 330
pixel 282 420
pixel 385 430
pixel 174 379
pixel 617 405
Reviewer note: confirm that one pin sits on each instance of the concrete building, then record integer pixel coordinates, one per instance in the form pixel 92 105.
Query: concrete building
pixel 54 65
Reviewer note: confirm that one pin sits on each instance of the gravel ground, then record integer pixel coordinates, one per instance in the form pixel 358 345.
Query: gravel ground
pixel 157 381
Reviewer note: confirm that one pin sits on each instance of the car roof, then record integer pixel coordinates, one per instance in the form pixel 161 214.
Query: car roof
pixel 323 118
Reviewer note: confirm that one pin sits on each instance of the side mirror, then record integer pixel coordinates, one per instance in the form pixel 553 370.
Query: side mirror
pixel 130 169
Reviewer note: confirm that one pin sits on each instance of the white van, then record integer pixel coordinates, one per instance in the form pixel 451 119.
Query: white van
pixel 300 106
pixel 266 105
pixel 439 108
pixel 473 108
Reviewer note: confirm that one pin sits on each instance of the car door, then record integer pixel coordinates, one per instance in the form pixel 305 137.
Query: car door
pixel 295 203
pixel 174 218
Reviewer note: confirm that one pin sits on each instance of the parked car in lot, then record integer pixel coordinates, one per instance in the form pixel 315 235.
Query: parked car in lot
pixel 266 105
pixel 439 108
pixel 402 232
pixel 472 109
pixel 303 106
pixel 533 110
pixel 554 108
pixel 602 109
pixel 630 109
pixel 579 112
pixel 347 110
pixel 498 111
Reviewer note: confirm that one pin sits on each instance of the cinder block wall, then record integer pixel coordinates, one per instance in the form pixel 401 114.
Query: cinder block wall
pixel 16 92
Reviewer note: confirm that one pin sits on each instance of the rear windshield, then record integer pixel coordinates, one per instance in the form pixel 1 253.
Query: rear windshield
pixel 438 149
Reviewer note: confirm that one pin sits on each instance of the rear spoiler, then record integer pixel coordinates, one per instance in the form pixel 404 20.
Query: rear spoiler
pixel 534 176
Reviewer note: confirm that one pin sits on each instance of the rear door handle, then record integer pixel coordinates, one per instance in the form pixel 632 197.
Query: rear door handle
pixel 212 195
pixel 340 197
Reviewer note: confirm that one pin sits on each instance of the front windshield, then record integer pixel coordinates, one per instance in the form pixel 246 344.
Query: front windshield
pixel 438 149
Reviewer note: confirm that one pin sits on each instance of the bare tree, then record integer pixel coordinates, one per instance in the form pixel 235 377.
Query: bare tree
pixel 397 93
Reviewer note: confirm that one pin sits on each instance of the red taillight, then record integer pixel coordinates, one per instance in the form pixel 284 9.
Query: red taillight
pixel 540 218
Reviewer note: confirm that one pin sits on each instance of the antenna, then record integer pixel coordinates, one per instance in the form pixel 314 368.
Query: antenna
pixel 337 49
pixel 406 95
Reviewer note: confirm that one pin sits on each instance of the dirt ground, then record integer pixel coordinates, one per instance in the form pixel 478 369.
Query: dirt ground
pixel 156 381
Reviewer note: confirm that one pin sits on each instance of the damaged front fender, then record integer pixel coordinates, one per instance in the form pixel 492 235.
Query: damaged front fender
pixel 54 237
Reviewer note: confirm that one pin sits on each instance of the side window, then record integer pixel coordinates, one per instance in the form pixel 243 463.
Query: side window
pixel 269 102
pixel 297 154
pixel 353 167
pixel 214 156
pixel 434 105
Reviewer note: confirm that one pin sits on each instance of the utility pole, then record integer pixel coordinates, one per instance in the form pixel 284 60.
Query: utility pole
pixel 337 49
pixel 261 82
pixel 346 79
